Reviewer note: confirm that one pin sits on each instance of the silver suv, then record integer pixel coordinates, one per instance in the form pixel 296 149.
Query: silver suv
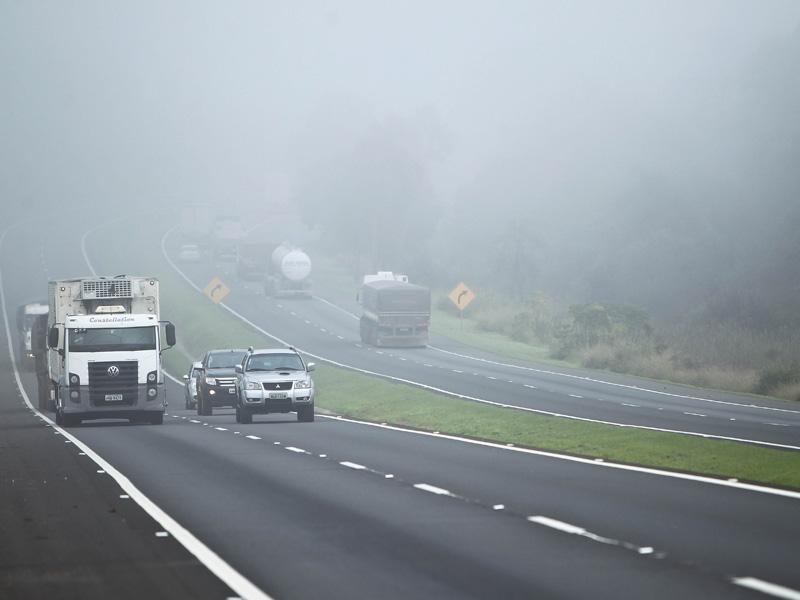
pixel 274 381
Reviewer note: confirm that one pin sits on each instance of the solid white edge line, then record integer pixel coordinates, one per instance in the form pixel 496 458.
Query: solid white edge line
pixel 210 559
pixel 454 394
pixel 586 461
pixel 766 587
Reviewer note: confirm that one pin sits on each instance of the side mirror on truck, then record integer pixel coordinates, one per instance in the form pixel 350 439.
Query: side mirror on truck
pixel 52 337
pixel 170 334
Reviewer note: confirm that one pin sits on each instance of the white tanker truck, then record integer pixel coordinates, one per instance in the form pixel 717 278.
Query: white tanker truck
pixel 289 272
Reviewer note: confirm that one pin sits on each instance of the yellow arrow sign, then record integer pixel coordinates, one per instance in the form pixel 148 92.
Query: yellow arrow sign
pixel 461 296
pixel 216 290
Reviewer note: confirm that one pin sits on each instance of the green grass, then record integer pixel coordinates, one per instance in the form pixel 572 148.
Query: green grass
pixel 202 325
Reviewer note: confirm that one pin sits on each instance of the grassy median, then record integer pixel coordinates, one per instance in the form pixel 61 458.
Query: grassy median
pixel 202 325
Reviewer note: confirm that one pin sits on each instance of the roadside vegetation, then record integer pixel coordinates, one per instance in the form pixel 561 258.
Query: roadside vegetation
pixel 624 339
pixel 346 393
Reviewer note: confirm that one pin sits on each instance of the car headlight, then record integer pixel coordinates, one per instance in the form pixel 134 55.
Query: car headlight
pixel 252 385
pixel 211 381
pixel 302 385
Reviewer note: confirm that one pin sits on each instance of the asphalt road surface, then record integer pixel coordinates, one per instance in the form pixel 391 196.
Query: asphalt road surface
pixel 342 509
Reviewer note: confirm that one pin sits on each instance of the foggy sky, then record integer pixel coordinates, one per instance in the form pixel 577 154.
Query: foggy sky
pixel 175 99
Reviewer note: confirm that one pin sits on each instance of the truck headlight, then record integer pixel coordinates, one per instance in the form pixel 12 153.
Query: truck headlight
pixel 211 381
pixel 252 385
pixel 302 385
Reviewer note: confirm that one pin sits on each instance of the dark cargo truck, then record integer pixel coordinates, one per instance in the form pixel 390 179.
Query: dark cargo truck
pixel 395 313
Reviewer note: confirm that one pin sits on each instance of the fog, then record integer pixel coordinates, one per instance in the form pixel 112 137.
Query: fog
pixel 643 153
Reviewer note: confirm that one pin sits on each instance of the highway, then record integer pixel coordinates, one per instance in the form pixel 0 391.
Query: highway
pixel 342 509
pixel 327 326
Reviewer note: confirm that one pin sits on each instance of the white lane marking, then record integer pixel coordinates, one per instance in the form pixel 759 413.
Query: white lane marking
pixel 765 587
pixel 762 489
pixel 124 497
pixel 352 465
pixel 646 550
pixel 252 437
pixel 162 534
pixel 448 392
pixel 307 321
pixel 498 507
pixel 574 530
pixel 220 429
pixel 194 421
pixel 293 449
pixel 490 377
pixel 433 489
pixel 631 405
pixel 779 424
pixel 323 330
pixel 213 562
pixel 533 387
pixel 388 476
pixel 341 337
pixel 456 371
pixel 426 365
pixel 691 414
pixel 556 524
pixel 323 456
pixel 401 358
pixel 575 396
pixel 611 383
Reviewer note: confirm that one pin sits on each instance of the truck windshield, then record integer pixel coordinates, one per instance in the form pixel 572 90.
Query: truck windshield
pixel 112 339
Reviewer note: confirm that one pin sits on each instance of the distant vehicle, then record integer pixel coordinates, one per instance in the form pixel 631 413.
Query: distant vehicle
pixel 189 253
pixel 190 385
pixel 252 260
pixel 27 314
pixel 274 381
pixel 105 343
pixel 395 312
pixel 216 379
pixel 195 223
pixel 385 276
pixel 226 235
pixel 289 272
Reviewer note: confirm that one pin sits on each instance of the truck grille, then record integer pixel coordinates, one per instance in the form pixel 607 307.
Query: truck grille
pixel 124 381
pixel 277 385
pixel 95 289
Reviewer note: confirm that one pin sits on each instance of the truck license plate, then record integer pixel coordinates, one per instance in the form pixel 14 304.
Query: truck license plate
pixel 113 397
pixel 277 395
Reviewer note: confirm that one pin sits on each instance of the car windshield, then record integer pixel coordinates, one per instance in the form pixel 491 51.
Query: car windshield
pixel 225 360
pixel 274 362
pixel 110 339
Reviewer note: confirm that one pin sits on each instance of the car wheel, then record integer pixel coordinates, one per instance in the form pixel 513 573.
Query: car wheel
pixel 305 414
pixel 245 416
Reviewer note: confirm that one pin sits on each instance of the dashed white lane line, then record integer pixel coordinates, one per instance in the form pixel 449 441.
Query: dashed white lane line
pixel 124 497
pixel 779 424
pixel 162 534
pixel 307 322
pixel 490 377
pixel 352 465
pixel 220 429
pixel 533 387
pixel 456 371
pixel 631 405
pixel 426 365
pixel 765 587
pixel 297 450
pixel 692 414
pixel 252 437
pixel 498 507
pixel 575 396
pixel 433 489
pixel 194 421
pixel 341 337
pixel 401 358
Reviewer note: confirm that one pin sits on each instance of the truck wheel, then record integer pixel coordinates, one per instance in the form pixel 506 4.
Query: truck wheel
pixel 156 419
pixel 305 414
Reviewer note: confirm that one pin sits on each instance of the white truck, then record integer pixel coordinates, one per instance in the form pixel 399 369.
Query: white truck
pixel 289 272
pixel 105 342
